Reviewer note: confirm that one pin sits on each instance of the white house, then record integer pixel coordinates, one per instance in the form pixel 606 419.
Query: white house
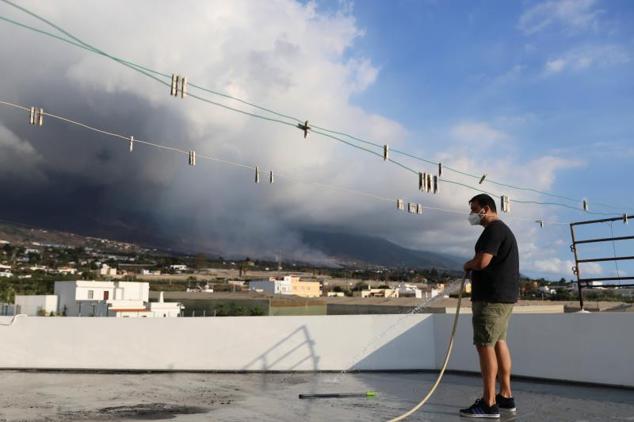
pixel 67 270
pixel 163 309
pixel 5 271
pixel 111 298
pixel 409 290
pixel 107 270
pixel 33 305
pixel 179 267
pixel 100 298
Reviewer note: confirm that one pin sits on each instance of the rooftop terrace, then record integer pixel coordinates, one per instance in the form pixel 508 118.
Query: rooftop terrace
pixel 62 396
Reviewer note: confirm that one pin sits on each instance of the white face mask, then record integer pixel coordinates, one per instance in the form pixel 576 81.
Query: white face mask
pixel 475 218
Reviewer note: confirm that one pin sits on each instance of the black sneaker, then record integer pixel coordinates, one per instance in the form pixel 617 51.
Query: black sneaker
pixel 505 404
pixel 480 410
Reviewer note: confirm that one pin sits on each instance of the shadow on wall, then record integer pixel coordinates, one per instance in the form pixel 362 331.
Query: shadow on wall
pixel 405 351
pixel 287 354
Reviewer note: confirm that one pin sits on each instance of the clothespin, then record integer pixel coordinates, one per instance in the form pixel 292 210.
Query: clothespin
pixel 540 222
pixel 419 208
pixel 439 169
pixel 585 205
pixel 192 158
pixel 178 86
pixel 271 178
pixel 257 174
pixel 411 208
pixel 36 116
pixel 625 218
pixel 400 205
pixel 484 176
pixel 304 127
pixel 386 152
pixel 429 187
pixel 435 185
pixel 506 203
pixel 131 143
pixel 421 181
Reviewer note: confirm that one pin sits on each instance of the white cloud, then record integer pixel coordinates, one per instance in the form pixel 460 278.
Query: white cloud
pixel 555 65
pixel 362 74
pixel 582 58
pixel 571 15
pixel 553 266
pixel 477 132
pixel 543 170
pixel 558 266
pixel 281 54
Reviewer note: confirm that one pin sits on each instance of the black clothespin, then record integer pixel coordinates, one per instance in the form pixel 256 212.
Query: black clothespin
pixel 304 127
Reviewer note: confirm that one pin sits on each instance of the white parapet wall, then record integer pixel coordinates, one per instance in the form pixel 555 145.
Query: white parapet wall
pixel 595 348
pixel 581 347
pixel 302 343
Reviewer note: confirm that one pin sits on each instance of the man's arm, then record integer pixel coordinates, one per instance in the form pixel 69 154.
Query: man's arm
pixel 479 262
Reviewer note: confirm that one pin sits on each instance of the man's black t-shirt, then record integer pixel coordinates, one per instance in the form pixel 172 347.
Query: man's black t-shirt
pixel 499 281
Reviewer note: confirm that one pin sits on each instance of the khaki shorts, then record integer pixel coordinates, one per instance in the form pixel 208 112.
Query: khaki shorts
pixel 490 322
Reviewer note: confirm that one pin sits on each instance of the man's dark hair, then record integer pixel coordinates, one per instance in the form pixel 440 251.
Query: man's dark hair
pixel 484 200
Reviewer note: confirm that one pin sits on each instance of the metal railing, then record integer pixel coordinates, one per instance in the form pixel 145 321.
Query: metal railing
pixel 588 282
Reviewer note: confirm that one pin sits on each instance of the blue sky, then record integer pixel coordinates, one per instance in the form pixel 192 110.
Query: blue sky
pixel 556 76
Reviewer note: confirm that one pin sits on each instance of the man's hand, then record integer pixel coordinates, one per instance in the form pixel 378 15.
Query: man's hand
pixel 479 262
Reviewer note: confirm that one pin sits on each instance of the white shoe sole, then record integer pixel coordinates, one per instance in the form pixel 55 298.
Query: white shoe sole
pixel 482 415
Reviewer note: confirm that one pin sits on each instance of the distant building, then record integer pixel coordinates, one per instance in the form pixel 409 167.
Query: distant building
pixel 109 298
pixel 162 309
pixel 380 293
pixel 203 289
pixel 287 285
pixel 67 270
pixel 5 271
pixel 272 286
pixel 178 267
pixel 34 305
pixel 107 270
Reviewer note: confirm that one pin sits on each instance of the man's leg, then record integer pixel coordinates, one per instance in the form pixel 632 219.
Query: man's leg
pixel 504 368
pixel 489 370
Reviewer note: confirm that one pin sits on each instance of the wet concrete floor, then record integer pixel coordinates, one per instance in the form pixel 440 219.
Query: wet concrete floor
pixel 63 396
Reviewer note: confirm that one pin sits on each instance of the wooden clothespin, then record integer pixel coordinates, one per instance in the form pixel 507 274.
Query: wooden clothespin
pixel 435 185
pixel 131 143
pixel 484 176
pixel 36 116
pixel 386 152
pixel 506 203
pixel 257 174
pixel 192 158
pixel 439 169
pixel 178 86
pixel 400 205
pixel 419 208
pixel 271 178
pixel 586 206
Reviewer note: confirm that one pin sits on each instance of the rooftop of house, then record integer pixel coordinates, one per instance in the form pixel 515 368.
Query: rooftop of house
pixel 60 396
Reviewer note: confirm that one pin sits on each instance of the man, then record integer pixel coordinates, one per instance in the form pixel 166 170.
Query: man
pixel 495 288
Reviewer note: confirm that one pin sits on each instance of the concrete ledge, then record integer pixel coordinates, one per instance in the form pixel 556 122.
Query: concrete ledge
pixel 586 348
